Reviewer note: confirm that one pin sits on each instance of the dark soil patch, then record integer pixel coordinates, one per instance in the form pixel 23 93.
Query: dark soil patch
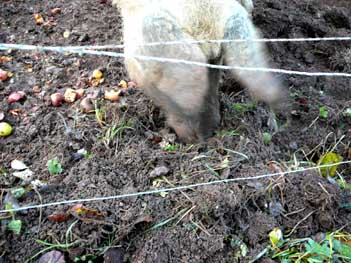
pixel 206 219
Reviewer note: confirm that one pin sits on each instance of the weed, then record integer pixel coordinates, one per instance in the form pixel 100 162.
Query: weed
pixel 266 137
pixel 52 246
pixel 323 112
pixel 347 112
pixel 330 247
pixel 169 220
pixel 241 249
pixel 2 171
pixel 244 107
pixel 227 133
pixel 54 166
pixel 116 131
pixel 18 192
pixel 15 225
pixel 100 112
pixel 169 147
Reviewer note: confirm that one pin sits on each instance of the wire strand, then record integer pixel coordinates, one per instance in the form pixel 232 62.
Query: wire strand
pixel 171 189
pixel 216 41
pixel 168 60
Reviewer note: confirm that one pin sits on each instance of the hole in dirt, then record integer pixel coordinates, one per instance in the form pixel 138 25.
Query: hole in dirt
pixel 315 155
pixel 338 18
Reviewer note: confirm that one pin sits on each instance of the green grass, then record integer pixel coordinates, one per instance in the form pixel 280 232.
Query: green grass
pixel 330 247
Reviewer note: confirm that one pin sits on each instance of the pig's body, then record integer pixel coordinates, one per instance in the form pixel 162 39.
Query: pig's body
pixel 189 93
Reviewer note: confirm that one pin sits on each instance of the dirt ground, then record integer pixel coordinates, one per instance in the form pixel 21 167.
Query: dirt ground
pixel 205 224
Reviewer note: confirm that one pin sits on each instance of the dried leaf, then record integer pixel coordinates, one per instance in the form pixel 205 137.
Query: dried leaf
pixel 97 74
pixel 274 168
pixel 36 89
pixel 94 82
pixel 15 112
pixel 38 19
pixel 56 11
pixel 58 217
pixel 4 59
pixel 86 214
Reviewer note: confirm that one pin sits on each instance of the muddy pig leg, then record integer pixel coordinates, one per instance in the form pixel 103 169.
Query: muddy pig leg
pixel 182 90
pixel 261 85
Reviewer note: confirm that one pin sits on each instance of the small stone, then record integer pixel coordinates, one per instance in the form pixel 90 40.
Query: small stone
pixel 159 171
pixel 293 145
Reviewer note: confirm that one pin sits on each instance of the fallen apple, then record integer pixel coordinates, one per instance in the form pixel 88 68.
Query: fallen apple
pixel 15 96
pixel 5 129
pixel 56 99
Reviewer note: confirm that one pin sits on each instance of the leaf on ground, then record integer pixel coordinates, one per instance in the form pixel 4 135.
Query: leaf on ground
pixel 39 19
pixel 274 168
pixel 312 247
pixel 342 248
pixel 18 192
pixel 54 166
pixel 58 217
pixel 275 236
pixel 323 112
pixel 11 201
pixel 4 59
pixel 15 226
pixel 86 214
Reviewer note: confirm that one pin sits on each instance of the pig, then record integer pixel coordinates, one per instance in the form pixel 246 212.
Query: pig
pixel 189 93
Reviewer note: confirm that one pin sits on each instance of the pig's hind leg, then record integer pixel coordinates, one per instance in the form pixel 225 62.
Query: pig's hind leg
pixel 261 85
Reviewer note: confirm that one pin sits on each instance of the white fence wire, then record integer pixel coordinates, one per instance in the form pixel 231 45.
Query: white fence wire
pixel 95 50
pixel 174 189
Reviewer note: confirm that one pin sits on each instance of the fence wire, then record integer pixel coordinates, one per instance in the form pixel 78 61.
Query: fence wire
pixel 173 189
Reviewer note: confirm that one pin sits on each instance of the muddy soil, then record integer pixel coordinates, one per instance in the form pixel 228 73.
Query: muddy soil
pixel 204 224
